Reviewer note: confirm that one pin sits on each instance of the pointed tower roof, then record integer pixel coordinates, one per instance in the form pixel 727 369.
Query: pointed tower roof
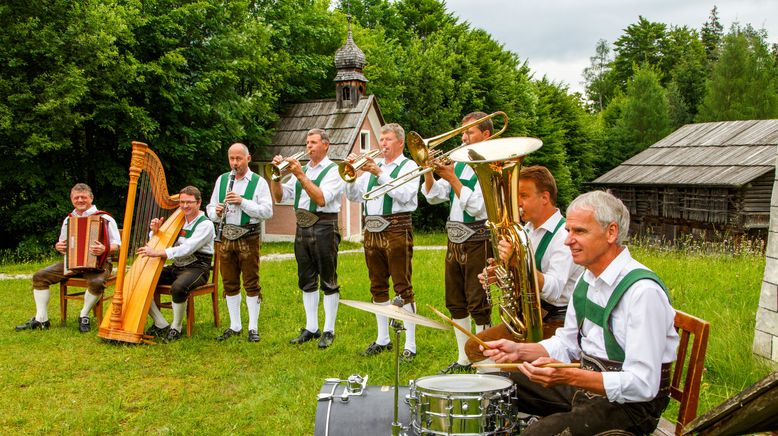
pixel 349 60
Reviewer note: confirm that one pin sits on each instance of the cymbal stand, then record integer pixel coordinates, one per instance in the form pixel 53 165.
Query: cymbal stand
pixel 398 327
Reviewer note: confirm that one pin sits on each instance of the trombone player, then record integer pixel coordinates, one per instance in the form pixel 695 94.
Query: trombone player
pixel 316 189
pixel 468 239
pixel 388 237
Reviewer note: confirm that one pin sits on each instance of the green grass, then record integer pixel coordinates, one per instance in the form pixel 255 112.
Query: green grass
pixel 61 381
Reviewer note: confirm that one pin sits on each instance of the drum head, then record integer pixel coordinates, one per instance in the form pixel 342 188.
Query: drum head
pixel 463 383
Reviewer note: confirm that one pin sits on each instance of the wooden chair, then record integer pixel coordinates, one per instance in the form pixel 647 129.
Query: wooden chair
pixel 211 288
pixel 685 388
pixel 77 282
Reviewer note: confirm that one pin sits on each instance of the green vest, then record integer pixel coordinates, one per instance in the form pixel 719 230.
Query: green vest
pixel 388 201
pixel 543 245
pixel 248 194
pixel 459 167
pixel 298 187
pixel 188 233
pixel 586 309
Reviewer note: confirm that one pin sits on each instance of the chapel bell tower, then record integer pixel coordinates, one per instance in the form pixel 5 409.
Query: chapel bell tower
pixel 350 83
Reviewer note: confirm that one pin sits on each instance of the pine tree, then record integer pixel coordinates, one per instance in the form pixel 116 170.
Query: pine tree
pixel 712 32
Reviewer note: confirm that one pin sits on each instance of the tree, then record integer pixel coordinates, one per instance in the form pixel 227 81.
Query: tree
pixel 711 34
pixel 599 85
pixel 642 43
pixel 743 83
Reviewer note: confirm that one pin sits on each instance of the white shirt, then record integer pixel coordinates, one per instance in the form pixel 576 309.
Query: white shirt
pixel 404 198
pixel 331 187
pixel 201 240
pixel 258 208
pixel 113 229
pixel 560 273
pixel 469 200
pixel 642 324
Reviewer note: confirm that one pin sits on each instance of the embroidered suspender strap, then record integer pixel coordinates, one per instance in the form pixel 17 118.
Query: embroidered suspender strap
pixel 459 167
pixel 248 194
pixel 388 201
pixel 586 309
pixel 298 187
pixel 188 233
pixel 543 245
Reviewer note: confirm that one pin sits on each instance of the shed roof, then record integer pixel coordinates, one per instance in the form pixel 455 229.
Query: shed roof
pixel 342 125
pixel 726 154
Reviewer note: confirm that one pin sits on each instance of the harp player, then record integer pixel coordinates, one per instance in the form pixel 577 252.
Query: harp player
pixel 81 196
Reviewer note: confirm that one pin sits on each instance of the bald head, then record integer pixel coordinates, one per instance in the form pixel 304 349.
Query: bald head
pixel 239 147
pixel 239 157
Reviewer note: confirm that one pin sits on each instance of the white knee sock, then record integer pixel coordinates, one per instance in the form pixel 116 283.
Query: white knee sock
pixel 486 370
pixel 410 329
pixel 179 312
pixel 383 327
pixel 481 327
pixel 156 316
pixel 461 340
pixel 233 307
pixel 330 311
pixel 311 304
pixel 89 302
pixel 42 297
pixel 252 304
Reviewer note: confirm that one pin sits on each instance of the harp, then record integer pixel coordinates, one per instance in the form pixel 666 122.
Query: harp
pixel 137 276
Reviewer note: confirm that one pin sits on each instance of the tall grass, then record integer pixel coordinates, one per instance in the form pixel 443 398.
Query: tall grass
pixel 60 381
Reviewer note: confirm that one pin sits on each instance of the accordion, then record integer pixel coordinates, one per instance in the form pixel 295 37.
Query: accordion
pixel 81 233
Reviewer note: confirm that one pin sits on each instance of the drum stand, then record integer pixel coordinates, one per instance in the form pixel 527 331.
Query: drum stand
pixel 398 327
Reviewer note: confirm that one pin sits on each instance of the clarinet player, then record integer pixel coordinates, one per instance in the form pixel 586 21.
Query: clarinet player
pixel 244 207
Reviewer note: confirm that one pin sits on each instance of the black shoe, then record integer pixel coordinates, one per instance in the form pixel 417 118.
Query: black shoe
pixel 326 339
pixel 228 334
pixel 305 336
pixel 173 335
pixel 408 355
pixel 83 324
pixel 160 332
pixel 34 324
pixel 456 368
pixel 374 349
pixel 253 336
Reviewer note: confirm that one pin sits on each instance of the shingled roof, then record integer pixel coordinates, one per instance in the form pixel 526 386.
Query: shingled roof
pixel 342 125
pixel 724 154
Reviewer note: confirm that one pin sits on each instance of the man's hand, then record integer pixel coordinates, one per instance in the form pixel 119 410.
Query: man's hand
pixel 295 167
pixel 97 248
pixel 277 159
pixel 503 351
pixel 505 250
pixel 487 276
pixel 545 377
pixel 371 167
pixel 155 224
pixel 151 252
pixel 61 246
pixel 231 198
pixel 445 172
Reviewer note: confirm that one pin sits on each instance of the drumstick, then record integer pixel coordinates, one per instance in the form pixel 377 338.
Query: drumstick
pixel 462 329
pixel 516 365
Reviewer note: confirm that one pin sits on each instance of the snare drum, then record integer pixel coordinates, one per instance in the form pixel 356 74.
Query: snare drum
pixel 462 404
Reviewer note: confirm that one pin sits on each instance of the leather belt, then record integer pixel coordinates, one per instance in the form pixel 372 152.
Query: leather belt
pixel 192 258
pixel 599 364
pixel 233 232
pixel 467 232
pixel 305 218
pixel 380 223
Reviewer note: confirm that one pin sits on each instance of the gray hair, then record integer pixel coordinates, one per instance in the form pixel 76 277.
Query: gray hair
pixel 395 128
pixel 82 187
pixel 607 209
pixel 325 138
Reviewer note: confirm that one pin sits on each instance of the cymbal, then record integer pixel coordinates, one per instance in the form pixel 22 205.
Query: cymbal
pixel 395 312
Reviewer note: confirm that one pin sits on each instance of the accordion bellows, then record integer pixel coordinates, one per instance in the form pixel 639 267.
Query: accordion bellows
pixel 81 233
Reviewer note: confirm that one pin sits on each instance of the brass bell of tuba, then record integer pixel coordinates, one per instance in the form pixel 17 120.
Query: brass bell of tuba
pixel 497 164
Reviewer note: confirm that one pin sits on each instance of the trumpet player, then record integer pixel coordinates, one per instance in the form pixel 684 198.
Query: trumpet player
pixel 388 236
pixel 468 240
pixel 243 208
pixel 316 189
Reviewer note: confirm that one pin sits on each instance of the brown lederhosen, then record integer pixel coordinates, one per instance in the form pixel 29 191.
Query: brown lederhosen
pixel 388 253
pixel 464 261
pixel 55 273
pixel 241 256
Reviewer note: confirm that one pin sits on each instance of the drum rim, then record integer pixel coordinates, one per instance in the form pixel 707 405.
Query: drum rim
pixel 422 385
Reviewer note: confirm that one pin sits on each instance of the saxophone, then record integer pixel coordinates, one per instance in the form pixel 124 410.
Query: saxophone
pixel 497 164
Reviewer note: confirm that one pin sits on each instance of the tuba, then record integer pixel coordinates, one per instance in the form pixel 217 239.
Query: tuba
pixel 136 277
pixel 497 164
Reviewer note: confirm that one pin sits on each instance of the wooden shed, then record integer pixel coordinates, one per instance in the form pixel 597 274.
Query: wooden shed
pixel 705 179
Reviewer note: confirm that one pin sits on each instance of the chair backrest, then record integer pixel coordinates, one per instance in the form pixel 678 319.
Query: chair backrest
pixel 693 333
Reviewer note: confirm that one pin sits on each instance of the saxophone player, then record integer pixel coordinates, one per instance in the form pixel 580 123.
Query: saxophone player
pixel 556 272
pixel 245 206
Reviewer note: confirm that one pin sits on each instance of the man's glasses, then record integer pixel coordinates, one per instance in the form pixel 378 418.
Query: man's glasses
pixel 188 202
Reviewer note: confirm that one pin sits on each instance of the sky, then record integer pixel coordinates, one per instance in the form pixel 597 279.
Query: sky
pixel 557 37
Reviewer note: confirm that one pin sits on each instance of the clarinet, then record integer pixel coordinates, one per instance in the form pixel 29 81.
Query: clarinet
pixel 220 227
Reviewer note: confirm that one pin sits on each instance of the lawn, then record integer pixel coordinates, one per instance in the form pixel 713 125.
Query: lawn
pixel 60 381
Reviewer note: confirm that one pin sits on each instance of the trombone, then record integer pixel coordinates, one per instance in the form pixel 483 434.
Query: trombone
pixel 277 172
pixel 426 156
pixel 348 171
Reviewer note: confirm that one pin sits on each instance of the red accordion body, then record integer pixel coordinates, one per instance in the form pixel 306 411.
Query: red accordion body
pixel 81 233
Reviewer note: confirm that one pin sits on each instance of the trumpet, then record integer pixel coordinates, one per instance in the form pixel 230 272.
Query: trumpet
pixel 348 171
pixel 277 172
pixel 427 157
